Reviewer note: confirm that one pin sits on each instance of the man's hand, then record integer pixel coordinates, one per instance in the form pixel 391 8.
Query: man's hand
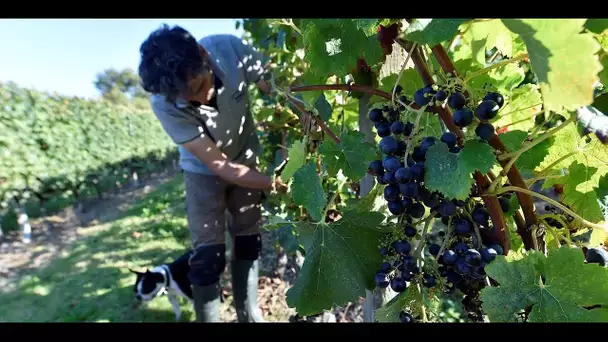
pixel 277 189
pixel 278 186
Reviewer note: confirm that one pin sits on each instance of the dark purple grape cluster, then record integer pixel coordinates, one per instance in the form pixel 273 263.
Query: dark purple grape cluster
pixel 400 265
pixel 463 116
pixel 463 262
pixel 403 177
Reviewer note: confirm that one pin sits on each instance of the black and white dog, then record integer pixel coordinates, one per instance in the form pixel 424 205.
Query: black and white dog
pixel 170 279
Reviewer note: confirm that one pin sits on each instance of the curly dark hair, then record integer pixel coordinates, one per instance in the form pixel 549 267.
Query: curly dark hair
pixel 168 57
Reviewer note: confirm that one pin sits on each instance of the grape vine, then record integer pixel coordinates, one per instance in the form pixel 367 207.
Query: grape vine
pixel 59 149
pixel 487 152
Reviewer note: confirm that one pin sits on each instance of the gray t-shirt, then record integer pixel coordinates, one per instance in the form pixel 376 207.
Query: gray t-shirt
pixel 231 125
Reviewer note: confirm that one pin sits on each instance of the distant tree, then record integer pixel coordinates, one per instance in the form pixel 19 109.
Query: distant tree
pixel 120 86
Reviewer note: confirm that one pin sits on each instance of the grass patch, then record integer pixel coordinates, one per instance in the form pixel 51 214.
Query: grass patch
pixel 93 283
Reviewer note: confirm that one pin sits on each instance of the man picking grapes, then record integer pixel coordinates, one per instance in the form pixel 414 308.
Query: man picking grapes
pixel 199 94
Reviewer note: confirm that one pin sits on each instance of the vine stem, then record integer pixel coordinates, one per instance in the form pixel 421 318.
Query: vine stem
pixel 409 55
pixel 321 124
pixel 425 230
pixel 355 87
pixel 494 56
pixel 348 87
pixel 495 66
pixel 517 111
pixel 542 174
pixel 560 220
pixel 537 141
pixel 289 22
pixel 413 134
pixel 445 239
pixel 525 200
pixel 556 236
pixel 520 120
pixel 422 308
pixel 521 228
pixel 475 228
pixel 299 105
pixel 555 203
pixel 503 173
pixel 332 199
pixel 500 233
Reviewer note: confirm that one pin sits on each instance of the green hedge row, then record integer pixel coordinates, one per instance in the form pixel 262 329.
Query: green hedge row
pixel 52 145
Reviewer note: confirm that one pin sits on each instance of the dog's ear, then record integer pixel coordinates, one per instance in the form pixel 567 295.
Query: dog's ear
pixel 138 274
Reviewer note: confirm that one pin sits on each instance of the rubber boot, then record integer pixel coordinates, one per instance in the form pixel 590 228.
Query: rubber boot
pixel 207 302
pixel 245 290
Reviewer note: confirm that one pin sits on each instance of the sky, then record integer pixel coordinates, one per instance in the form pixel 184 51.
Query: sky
pixel 64 55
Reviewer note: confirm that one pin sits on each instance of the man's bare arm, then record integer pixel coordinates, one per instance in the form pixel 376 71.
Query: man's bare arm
pixel 208 153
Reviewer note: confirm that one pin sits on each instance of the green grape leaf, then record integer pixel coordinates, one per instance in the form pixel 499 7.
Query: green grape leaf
pixel 603 75
pixel 568 285
pixel 323 107
pixel 478 50
pixel 519 111
pixel 602 195
pixel 352 155
pixel 517 244
pixel 533 157
pixel 341 260
pixel 439 163
pixel 562 58
pixel 351 116
pixel 462 58
pixel 507 77
pixel 569 148
pixel 410 82
pixel 276 222
pixel 306 190
pixel 451 173
pixel 367 25
pixel 433 31
pixel 288 239
pixel 477 155
pixel 583 200
pixel 333 47
pixel 494 34
pixel 567 141
pixel 297 158
pixel 596 25
pixel 502 79
pixel 372 201
pixel 430 124
pixel 603 40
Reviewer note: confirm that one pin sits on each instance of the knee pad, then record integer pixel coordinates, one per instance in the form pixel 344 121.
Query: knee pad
pixel 247 247
pixel 207 264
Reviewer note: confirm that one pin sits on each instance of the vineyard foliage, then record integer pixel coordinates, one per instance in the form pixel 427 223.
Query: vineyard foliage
pixel 54 146
pixel 507 212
